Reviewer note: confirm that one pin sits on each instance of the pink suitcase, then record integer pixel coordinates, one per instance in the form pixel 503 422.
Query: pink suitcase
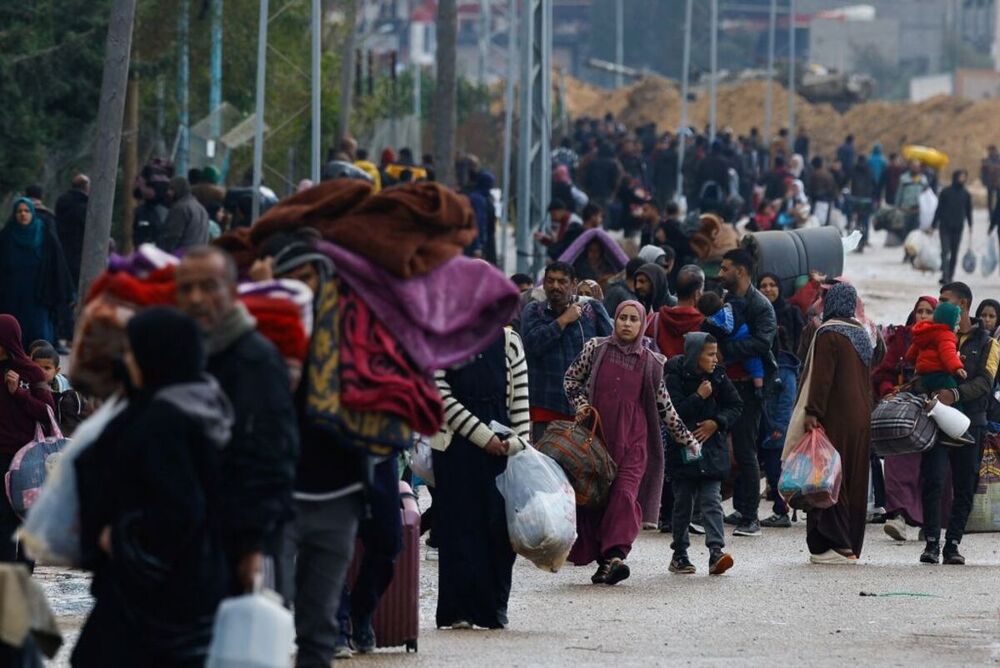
pixel 397 617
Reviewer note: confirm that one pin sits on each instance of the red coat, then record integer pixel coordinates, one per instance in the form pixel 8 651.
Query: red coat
pixel 934 349
pixel 894 369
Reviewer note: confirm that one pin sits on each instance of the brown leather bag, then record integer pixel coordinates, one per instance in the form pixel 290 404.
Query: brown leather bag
pixel 580 451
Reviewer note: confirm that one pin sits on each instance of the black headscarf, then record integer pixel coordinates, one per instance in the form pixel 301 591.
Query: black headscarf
pixel 789 318
pixel 988 302
pixel 167 346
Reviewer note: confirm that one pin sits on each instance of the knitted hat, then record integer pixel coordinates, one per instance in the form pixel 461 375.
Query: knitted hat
pixel 947 314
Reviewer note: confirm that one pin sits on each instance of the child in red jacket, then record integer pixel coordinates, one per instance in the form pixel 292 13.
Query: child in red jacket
pixel 934 350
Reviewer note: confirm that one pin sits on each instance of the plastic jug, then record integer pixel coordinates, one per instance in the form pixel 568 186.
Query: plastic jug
pixel 252 631
pixel 949 420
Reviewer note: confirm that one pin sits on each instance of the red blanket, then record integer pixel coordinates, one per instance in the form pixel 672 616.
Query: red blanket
pixel 377 376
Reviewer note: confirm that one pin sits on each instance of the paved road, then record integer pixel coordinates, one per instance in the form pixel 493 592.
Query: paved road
pixel 772 608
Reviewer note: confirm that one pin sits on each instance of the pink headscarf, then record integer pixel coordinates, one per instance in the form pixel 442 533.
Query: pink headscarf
pixel 636 346
pixel 561 174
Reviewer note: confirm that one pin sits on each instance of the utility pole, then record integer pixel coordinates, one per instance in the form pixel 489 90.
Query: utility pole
pixel 183 75
pixel 791 75
pixel 685 83
pixel 114 80
pixel 215 73
pixel 508 129
pixel 317 45
pixel 484 40
pixel 713 85
pixel 347 70
pixel 258 131
pixel 444 105
pixel 534 162
pixel 619 41
pixel 769 99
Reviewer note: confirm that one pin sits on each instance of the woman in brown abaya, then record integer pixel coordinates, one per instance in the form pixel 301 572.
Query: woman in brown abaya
pixel 839 400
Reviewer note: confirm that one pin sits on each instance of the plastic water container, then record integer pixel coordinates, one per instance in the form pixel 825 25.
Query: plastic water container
pixel 252 631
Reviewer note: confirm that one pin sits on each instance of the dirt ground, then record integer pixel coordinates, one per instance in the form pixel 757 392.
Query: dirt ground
pixel 773 608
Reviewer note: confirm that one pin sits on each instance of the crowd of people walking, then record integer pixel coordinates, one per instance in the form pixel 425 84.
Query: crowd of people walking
pixel 257 409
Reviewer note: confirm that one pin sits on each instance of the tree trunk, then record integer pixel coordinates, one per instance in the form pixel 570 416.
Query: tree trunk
pixel 130 161
pixel 446 92
pixel 114 82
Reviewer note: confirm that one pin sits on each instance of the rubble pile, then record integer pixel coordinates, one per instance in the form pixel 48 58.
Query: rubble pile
pixel 961 128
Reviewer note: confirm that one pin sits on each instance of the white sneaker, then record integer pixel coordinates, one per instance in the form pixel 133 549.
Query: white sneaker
pixel 895 529
pixel 832 558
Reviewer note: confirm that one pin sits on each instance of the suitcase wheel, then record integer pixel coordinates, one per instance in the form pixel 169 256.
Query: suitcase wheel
pixel 411 646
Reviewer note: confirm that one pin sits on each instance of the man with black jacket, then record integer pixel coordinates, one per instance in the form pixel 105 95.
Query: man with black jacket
pixel 258 463
pixel 954 208
pixel 981 354
pixel 735 274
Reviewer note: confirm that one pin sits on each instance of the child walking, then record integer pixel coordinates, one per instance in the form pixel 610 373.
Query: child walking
pixel 708 403
pixel 71 407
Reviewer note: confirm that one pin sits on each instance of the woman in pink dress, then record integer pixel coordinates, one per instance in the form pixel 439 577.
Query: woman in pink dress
pixel 623 381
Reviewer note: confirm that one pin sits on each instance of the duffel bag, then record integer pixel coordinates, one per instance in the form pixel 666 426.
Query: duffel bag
pixel 580 451
pixel 901 426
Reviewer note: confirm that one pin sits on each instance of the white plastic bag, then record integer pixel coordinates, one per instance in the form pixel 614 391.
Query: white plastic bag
pixel 988 263
pixel 51 531
pixel 541 508
pixel 422 461
pixel 928 207
pixel 928 258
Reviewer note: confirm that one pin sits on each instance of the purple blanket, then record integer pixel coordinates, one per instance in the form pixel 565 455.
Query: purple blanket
pixel 440 319
pixel 615 255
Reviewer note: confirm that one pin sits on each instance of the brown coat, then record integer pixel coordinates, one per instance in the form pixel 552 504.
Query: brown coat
pixel 840 397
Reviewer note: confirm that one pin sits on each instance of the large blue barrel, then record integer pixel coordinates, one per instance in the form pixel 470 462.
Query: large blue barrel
pixel 795 253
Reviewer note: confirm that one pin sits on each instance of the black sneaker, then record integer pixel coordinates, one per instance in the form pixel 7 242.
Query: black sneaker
pixel 618 570
pixel 777 521
pixel 681 565
pixel 751 528
pixel 601 576
pixel 931 553
pixel 364 635
pixel 666 527
pixel 696 528
pixel 719 562
pixel 950 555
pixel 734 518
